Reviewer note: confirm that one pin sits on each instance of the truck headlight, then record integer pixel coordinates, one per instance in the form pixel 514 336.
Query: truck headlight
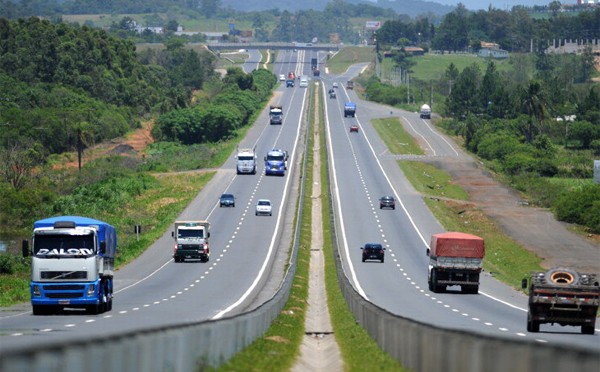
pixel 36 291
pixel 91 290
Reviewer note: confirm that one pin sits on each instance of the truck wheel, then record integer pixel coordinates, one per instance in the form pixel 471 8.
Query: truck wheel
pixel 39 310
pixel 382 259
pixel 562 276
pixel 587 329
pixel 533 326
pixel 433 285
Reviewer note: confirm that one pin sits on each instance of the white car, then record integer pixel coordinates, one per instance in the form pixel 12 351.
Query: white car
pixel 263 206
pixel 281 77
pixel 335 85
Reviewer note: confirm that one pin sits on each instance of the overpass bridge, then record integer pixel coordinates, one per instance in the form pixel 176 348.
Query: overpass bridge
pixel 218 46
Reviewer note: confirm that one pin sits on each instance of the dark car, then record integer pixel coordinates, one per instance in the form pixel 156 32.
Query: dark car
pixel 332 93
pixel 227 200
pixel 372 251
pixel 387 202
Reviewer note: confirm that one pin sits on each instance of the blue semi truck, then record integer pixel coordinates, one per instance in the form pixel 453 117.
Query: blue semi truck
pixel 276 162
pixel 72 262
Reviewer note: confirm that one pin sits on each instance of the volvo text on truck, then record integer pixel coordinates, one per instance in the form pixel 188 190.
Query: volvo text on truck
pixel 564 296
pixel 349 109
pixel 72 264
pixel 276 162
pixel 191 240
pixel 246 161
pixel 455 258
pixel 276 114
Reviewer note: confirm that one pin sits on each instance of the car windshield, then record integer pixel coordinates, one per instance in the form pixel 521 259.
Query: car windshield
pixel 264 202
pixel 226 196
pixel 373 246
pixel 244 157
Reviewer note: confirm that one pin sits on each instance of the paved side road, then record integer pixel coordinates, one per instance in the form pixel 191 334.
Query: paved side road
pixel 534 228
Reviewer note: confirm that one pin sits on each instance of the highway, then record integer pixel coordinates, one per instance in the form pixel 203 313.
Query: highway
pixel 154 291
pixel 363 171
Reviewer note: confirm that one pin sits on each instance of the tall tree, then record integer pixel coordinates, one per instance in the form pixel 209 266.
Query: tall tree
pixel 534 105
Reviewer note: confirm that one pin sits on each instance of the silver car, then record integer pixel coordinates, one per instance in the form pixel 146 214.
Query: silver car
pixel 263 207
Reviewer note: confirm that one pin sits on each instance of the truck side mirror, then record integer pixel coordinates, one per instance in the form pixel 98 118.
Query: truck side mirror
pixel 208 235
pixel 173 234
pixel 427 252
pixel 524 283
pixel 103 247
pixel 362 247
pixel 25 248
pixel 265 158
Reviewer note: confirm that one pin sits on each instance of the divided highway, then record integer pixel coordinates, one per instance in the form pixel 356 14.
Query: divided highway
pixel 154 291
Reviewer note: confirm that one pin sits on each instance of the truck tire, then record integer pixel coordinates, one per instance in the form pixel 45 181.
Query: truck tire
pixel 562 276
pixel 434 282
pixel 587 329
pixel 40 310
pixel 532 325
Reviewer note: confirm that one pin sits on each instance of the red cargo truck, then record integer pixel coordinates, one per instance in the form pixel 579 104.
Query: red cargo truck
pixel 455 258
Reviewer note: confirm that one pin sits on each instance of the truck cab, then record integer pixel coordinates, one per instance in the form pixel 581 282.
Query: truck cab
pixel 276 115
pixel 350 109
pixel 72 261
pixel 191 240
pixel 276 162
pixel 425 112
pixel 246 161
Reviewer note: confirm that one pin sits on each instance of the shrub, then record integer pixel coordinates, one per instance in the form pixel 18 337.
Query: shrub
pixel 577 205
pixel 10 264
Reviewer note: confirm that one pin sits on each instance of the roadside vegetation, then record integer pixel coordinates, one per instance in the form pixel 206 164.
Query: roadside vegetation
pixel 396 139
pixel 56 157
pixel 505 259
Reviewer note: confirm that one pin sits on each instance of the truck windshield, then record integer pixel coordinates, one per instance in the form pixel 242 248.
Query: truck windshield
pixel 245 157
pixel 54 245
pixel 275 158
pixel 190 233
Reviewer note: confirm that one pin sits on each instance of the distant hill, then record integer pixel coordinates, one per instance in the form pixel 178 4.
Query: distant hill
pixel 411 8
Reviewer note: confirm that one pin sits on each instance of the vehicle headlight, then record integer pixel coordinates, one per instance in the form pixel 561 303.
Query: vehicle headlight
pixel 91 290
pixel 36 291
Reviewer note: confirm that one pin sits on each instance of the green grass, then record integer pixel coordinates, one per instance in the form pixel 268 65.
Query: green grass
pixel 433 66
pixel 348 56
pixel 505 259
pixel 397 140
pixel 429 180
pixel 280 346
pixel 359 351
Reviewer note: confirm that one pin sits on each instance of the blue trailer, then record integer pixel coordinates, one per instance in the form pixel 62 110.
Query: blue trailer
pixel 72 264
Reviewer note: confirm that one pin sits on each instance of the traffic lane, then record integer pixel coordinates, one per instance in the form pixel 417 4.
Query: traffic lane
pixel 509 323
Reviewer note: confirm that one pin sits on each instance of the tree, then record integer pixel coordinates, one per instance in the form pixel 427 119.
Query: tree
pixel 18 161
pixel 209 8
pixel 453 31
pixel 585 132
pixel 534 105
pixel 464 96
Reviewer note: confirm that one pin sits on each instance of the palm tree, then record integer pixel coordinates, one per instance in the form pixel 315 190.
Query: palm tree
pixel 535 106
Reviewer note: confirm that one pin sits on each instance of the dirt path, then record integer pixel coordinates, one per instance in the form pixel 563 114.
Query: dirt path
pixel 534 228
pixel 319 351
